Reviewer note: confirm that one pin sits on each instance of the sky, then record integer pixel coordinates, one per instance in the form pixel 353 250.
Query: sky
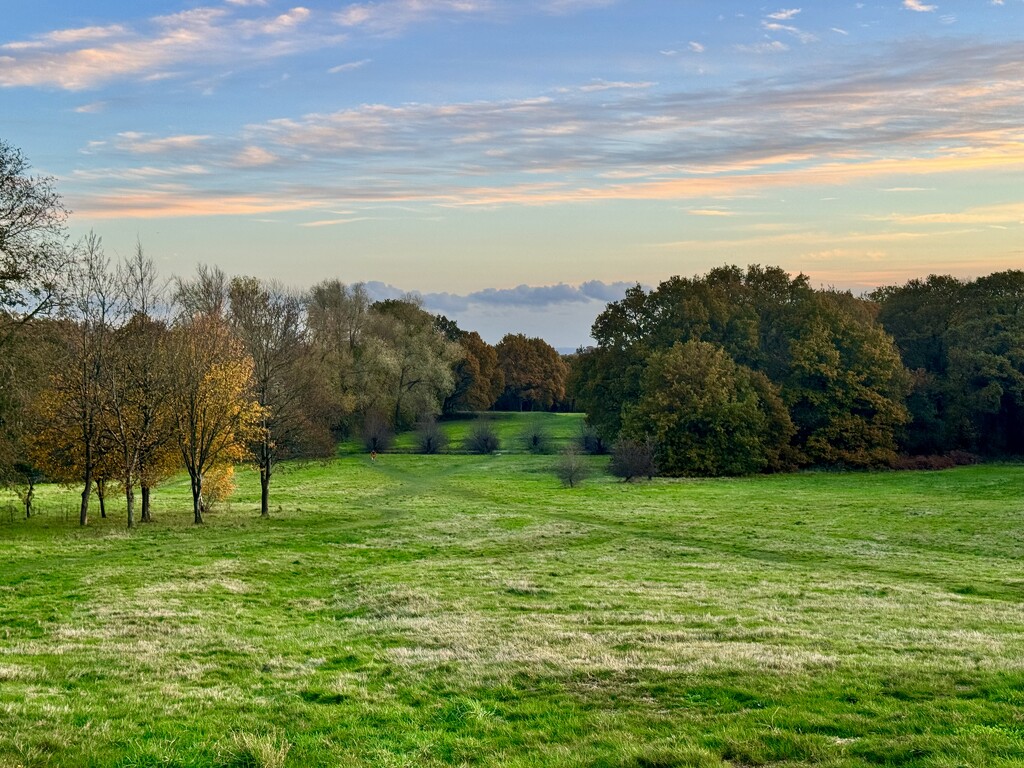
pixel 519 163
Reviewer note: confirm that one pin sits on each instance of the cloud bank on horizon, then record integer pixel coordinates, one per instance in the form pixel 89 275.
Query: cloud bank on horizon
pixel 466 147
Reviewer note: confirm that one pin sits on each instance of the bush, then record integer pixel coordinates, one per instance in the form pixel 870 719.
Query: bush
pixel 536 438
pixel 430 438
pixel 482 438
pixel 218 485
pixel 590 441
pixel 633 458
pixel 935 461
pixel 377 434
pixel 570 468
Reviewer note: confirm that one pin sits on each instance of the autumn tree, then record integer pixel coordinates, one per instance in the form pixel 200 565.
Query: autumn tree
pixel 25 366
pixel 270 322
pixel 69 444
pixel 477 378
pixel 216 415
pixel 534 372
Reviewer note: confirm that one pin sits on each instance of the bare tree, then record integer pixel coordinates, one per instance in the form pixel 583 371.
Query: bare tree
pixel 33 242
pixel 70 438
pixel 270 322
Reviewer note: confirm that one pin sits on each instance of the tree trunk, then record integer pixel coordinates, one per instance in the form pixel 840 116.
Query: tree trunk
pixel 265 491
pixel 28 498
pixel 129 497
pixel 83 513
pixel 197 498
pixel 265 471
pixel 146 516
pixel 101 494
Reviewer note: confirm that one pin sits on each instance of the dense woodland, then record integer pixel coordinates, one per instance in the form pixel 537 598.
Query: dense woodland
pixel 110 375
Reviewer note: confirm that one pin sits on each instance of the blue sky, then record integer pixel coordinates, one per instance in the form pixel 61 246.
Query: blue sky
pixel 520 163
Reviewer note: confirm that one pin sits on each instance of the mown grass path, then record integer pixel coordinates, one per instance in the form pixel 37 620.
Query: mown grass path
pixel 465 610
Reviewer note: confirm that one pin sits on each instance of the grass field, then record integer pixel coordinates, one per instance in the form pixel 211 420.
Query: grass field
pixel 468 610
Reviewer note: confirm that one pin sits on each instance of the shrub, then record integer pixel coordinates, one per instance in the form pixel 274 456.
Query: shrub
pixel 570 468
pixel 482 438
pixel 377 434
pixel 536 438
pixel 430 438
pixel 590 441
pixel 218 485
pixel 633 458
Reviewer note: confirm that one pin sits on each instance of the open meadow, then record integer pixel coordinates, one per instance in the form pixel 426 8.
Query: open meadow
pixel 459 610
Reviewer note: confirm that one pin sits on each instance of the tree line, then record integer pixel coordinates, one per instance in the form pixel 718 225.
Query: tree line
pixel 741 371
pixel 109 375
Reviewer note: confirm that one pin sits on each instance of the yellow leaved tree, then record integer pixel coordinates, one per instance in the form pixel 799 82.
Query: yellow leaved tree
pixel 215 413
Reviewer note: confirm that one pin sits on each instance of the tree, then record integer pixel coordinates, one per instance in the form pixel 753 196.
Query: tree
pixel 405 365
pixel 136 387
pixel 837 370
pixel 634 458
pixel 571 468
pixel 845 384
pixel 33 252
pixel 478 380
pixel 25 367
pixel 270 321
pixel 216 416
pixel 534 372
pixel 69 444
pixel 337 318
pixel 137 408
pixel 707 415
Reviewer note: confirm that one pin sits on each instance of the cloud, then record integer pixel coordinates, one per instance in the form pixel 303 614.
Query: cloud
pixel 903 114
pixel 772 46
pixel 142 144
pixel 389 17
pixel 87 57
pixel 91 108
pixel 174 200
pixel 917 5
pixel 253 157
pixel 348 66
pixel 803 37
pixel 1008 213
pixel 519 297
pixel 784 14
pixel 696 47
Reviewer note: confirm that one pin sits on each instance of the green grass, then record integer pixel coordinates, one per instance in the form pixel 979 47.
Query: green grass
pixel 466 610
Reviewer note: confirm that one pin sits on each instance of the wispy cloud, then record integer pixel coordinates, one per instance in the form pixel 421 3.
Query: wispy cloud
pixel 82 58
pixel 142 144
pixel 393 16
pixel 784 14
pixel 348 66
pixel 771 46
pixel 917 5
